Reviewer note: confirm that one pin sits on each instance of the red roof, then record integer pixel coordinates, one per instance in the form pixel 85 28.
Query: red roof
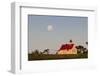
pixel 66 46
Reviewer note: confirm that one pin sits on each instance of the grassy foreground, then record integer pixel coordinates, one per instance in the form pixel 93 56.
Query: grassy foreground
pixel 32 57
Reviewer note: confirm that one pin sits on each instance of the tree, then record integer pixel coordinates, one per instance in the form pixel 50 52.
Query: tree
pixel 80 49
pixel 86 43
pixel 85 50
pixel 36 51
pixel 46 51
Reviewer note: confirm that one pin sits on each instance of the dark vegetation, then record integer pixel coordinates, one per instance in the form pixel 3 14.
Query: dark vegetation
pixel 37 55
pixel 32 57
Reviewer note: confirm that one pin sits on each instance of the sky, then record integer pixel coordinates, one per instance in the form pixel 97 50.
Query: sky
pixel 53 31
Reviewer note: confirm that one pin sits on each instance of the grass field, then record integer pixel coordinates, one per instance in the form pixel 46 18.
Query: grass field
pixel 32 57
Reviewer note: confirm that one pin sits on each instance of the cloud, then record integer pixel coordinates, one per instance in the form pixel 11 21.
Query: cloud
pixel 50 28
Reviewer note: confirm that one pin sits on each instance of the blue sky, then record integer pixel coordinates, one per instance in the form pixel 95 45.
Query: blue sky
pixel 64 29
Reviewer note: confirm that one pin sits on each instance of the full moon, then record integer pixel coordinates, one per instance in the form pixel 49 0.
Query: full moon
pixel 50 28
